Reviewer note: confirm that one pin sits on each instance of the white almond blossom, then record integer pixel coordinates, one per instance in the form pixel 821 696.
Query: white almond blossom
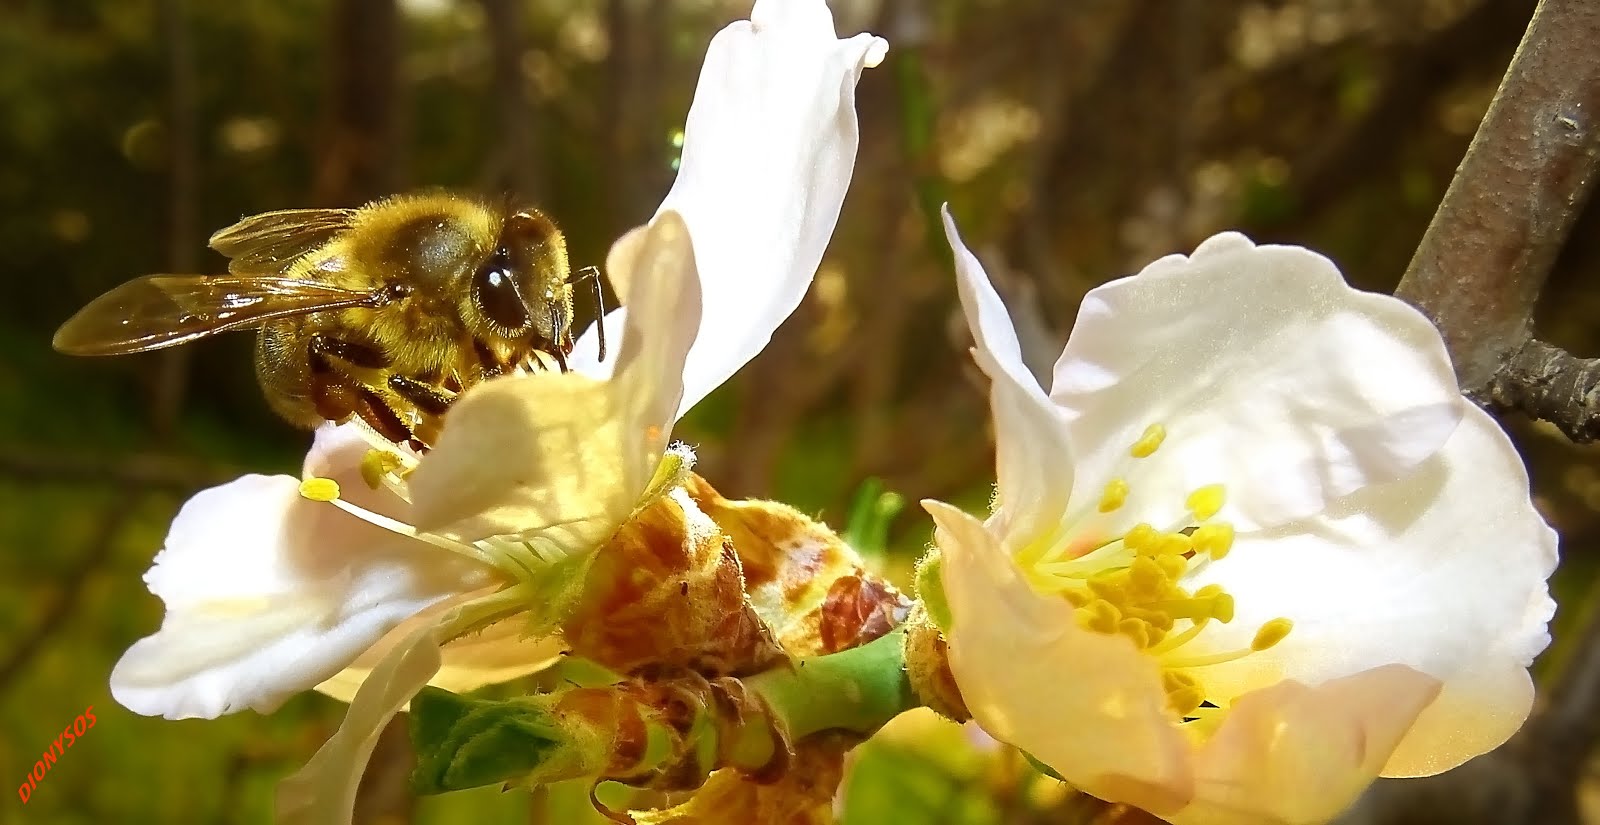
pixel 378 571
pixel 1252 550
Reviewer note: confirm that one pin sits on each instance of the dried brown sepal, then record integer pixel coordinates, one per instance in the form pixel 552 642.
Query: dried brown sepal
pixel 667 593
pixel 669 734
pixel 802 795
pixel 927 658
pixel 803 579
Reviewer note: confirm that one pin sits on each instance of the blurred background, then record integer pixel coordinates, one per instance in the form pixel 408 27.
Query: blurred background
pixel 1075 141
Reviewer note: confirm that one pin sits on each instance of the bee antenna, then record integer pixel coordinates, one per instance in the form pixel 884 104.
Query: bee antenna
pixel 592 275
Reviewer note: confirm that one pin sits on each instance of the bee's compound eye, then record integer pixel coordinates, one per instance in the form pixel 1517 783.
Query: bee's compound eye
pixel 496 294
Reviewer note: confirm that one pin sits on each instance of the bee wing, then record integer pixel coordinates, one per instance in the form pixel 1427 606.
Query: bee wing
pixel 158 311
pixel 269 243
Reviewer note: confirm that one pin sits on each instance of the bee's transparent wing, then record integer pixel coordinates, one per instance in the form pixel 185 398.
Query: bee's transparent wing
pixel 271 242
pixel 158 311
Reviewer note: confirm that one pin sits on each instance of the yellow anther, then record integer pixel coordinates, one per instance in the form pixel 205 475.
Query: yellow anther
pixel 1149 442
pixel 1222 602
pixel 1110 585
pixel 1206 501
pixel 1173 566
pixel 1076 597
pixel 1146 576
pixel 1100 616
pixel 320 489
pixel 1115 494
pixel 1170 544
pixel 1137 630
pixel 1271 633
pixel 1214 539
pixel 378 463
pixel 1138 538
pixel 1184 693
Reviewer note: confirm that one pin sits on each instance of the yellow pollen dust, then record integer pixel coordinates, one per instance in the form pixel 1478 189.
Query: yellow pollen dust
pixel 378 463
pixel 1115 494
pixel 1149 442
pixel 1206 501
pixel 320 489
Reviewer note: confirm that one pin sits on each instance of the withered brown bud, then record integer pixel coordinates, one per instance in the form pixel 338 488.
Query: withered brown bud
pixel 803 579
pixel 667 593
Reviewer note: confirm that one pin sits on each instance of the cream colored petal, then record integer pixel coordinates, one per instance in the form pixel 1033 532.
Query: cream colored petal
pixel 768 151
pixel 1088 705
pixel 1444 570
pixel 497 653
pixel 268 594
pixel 565 455
pixel 323 792
pixel 1271 375
pixel 1299 755
pixel 1033 462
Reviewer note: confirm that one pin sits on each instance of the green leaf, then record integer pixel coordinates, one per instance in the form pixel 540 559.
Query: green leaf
pixel 467 743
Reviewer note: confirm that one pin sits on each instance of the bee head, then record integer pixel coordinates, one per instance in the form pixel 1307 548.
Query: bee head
pixel 521 289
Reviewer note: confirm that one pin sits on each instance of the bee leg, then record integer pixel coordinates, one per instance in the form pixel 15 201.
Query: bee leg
pixel 491 363
pixel 377 412
pixel 350 352
pixel 428 398
pixel 332 392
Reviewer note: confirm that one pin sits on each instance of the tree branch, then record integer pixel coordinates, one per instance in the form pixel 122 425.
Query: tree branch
pixel 1495 237
pixel 1552 385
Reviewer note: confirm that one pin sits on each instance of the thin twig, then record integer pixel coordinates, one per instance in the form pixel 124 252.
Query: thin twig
pixel 1495 237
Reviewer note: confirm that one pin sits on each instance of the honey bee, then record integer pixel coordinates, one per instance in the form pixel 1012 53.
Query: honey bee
pixel 385 312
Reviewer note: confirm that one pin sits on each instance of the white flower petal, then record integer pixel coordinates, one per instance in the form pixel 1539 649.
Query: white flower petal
pixel 585 357
pixel 260 606
pixel 498 653
pixel 768 150
pixel 1297 755
pixel 564 454
pixel 1443 570
pixel 1270 374
pixel 324 791
pixel 1033 460
pixel 1088 705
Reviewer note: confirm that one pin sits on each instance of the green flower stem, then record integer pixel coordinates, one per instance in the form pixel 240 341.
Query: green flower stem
pixel 857 690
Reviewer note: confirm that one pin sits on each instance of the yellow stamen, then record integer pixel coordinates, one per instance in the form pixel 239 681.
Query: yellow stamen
pixel 1206 501
pixel 1170 544
pixel 1149 442
pixel 1271 633
pixel 320 489
pixel 1139 537
pixel 1184 693
pixel 1214 539
pixel 1115 494
pixel 379 463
